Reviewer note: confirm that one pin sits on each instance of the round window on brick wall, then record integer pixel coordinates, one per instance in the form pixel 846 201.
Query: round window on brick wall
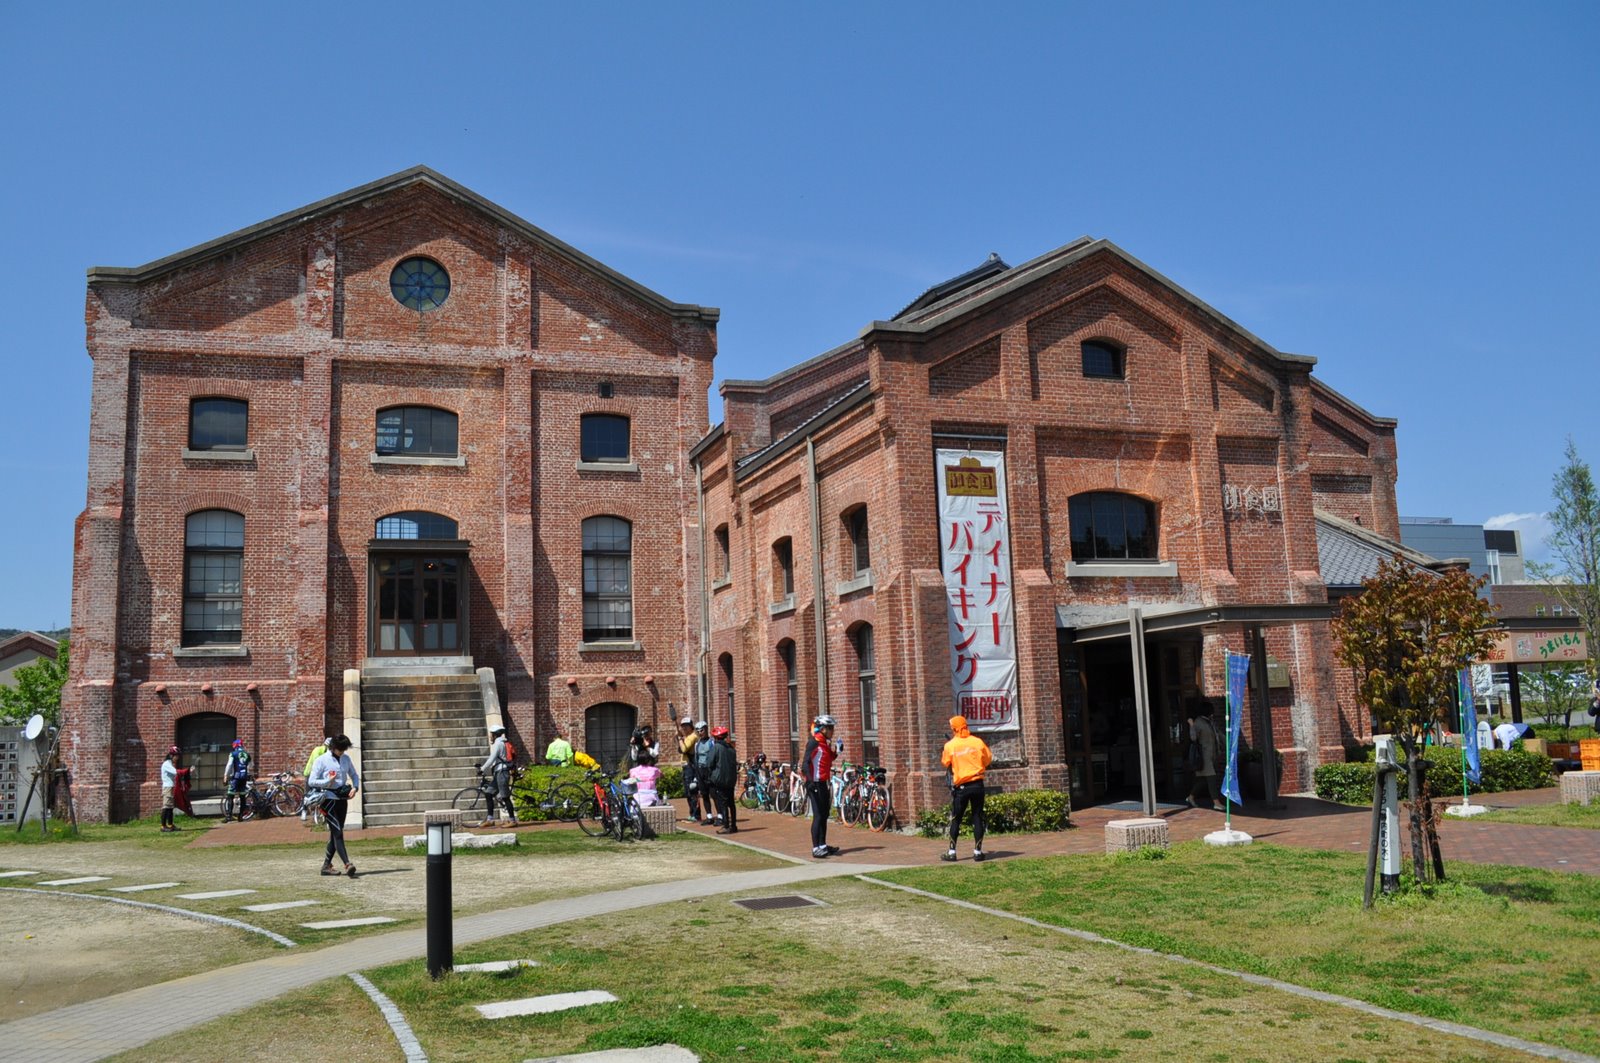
pixel 420 284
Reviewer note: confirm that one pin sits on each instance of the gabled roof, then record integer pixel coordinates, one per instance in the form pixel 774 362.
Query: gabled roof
pixel 1348 554
pixel 28 640
pixel 975 296
pixel 838 406
pixel 416 175
pixel 955 285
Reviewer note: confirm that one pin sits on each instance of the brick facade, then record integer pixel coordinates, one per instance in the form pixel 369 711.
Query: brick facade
pixel 295 317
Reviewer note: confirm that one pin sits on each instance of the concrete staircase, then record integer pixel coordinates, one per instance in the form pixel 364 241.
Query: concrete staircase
pixel 422 739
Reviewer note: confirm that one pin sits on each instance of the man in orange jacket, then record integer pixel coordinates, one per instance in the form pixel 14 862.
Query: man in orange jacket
pixel 968 758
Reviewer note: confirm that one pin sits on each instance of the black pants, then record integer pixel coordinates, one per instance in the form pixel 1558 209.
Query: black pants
pixel 963 797
pixel 694 793
pixel 727 807
pixel 820 795
pixel 502 791
pixel 335 812
pixel 1203 783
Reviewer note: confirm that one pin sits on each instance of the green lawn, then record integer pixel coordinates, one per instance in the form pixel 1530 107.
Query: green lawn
pixel 1505 948
pixel 1547 815
pixel 873 974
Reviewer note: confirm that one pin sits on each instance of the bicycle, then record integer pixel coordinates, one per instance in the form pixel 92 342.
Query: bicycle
pixel 757 792
pixel 284 794
pixel 782 793
pixel 877 799
pixel 799 800
pixel 560 800
pixel 610 809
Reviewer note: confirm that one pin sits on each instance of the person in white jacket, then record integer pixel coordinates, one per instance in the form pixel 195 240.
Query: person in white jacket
pixel 333 773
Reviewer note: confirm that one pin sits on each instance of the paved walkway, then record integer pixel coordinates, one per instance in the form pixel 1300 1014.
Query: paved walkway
pixel 99 1028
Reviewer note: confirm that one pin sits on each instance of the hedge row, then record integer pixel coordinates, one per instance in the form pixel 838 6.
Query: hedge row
pixel 1015 812
pixel 1502 769
pixel 534 781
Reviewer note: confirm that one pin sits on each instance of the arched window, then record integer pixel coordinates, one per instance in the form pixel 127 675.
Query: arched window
pixel 867 685
pixel 791 687
pixel 783 567
pixel 1108 526
pixel 1101 358
pixel 855 525
pixel 725 663
pixel 603 437
pixel 218 424
pixel 213 578
pixel 416 431
pixel 416 524
pixel 607 579
pixel 606 730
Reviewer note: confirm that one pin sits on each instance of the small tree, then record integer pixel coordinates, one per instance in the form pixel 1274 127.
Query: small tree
pixel 38 689
pixel 1406 636
pixel 1558 690
pixel 1574 543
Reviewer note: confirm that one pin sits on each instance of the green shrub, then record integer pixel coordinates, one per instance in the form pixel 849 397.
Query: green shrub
pixel 530 788
pixel 671 781
pixel 1016 812
pixel 1502 769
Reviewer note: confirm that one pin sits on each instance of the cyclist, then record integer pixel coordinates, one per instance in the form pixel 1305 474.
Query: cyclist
pixel 817 769
pixel 687 740
pixel 967 757
pixel 498 769
pixel 724 776
pixel 704 751
pixel 336 777
pixel 238 775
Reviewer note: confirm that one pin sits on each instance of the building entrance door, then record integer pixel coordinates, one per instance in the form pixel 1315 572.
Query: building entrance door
pixel 1101 729
pixel 417 600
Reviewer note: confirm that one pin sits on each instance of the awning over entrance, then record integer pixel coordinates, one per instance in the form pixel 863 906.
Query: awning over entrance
pixel 1141 620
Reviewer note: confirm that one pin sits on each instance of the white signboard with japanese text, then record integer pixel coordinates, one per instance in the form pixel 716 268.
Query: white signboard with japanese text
pixel 975 547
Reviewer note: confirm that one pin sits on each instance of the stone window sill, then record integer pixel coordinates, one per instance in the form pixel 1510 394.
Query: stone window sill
pixel 718 584
pixel 1122 570
pixel 862 582
pixel 609 466
pixel 782 606
pixel 218 455
pixel 457 462
pixel 616 646
pixel 205 652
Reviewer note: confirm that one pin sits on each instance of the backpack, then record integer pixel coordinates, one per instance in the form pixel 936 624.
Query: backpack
pixel 511 752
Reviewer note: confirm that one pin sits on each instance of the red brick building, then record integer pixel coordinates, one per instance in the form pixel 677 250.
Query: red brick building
pixel 405 425
pixel 358 430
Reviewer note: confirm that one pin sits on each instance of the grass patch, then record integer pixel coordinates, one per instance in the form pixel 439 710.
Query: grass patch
pixel 874 975
pixel 1547 815
pixel 145 831
pixel 1505 948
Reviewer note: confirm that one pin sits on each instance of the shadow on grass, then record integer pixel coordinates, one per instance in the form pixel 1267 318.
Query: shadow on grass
pixel 1519 891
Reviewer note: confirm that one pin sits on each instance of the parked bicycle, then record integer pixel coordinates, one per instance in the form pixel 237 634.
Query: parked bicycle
pixel 560 799
pixel 610 808
pixel 281 796
pixel 757 792
pixel 780 785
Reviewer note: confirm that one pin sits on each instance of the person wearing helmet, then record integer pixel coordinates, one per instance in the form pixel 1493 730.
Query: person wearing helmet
pixel 724 776
pixel 967 756
pixel 817 769
pixel 498 770
pixel 687 740
pixel 705 749
pixel 169 788
pixel 238 775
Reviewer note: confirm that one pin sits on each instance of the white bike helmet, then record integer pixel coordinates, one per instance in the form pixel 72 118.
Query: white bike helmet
pixel 823 721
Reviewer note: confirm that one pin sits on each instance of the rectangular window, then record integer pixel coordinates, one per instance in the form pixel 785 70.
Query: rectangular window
pixel 603 437
pixel 607 579
pixel 1102 360
pixel 417 431
pixel 858 540
pixel 723 560
pixel 783 556
pixel 213 579
pixel 218 424
pixel 867 679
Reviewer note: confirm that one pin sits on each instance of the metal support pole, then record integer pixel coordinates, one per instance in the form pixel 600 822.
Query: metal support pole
pixel 1141 708
pixel 1514 676
pixel 1269 746
pixel 441 937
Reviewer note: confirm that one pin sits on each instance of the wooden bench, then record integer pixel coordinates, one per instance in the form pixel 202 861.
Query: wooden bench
pixel 1128 835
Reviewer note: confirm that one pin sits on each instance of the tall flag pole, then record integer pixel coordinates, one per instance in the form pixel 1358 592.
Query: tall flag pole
pixel 1237 670
pixel 1471 768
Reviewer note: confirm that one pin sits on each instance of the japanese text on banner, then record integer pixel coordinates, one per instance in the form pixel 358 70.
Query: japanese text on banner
pixel 975 547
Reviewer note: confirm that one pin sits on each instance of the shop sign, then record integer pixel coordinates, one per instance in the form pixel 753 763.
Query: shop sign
pixel 1240 499
pixel 1538 647
pixel 975 548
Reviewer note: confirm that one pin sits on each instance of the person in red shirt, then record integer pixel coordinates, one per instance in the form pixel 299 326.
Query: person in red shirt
pixel 967 756
pixel 817 769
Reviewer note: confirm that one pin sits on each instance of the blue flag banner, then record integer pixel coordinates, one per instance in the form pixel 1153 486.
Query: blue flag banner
pixel 1238 675
pixel 1469 726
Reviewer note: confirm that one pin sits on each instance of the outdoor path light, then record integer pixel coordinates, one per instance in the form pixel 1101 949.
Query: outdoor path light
pixel 441 943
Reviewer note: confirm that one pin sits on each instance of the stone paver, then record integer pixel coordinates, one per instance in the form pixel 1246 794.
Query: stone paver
pixel 16 874
pixel 653 1054
pixel 79 881
pixel 212 895
pixel 340 924
pixel 95 1029
pixel 493 966
pixel 550 1002
pixel 141 889
pixel 277 906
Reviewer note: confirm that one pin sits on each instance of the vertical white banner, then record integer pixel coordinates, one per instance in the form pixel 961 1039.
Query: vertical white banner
pixel 975 546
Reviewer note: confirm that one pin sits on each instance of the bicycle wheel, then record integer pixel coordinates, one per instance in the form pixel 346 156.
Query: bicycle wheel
pixel 286 800
pixel 619 823
pixel 247 806
pixel 472 806
pixel 850 805
pixel 592 817
pixel 799 805
pixel 781 800
pixel 880 810
pixel 565 803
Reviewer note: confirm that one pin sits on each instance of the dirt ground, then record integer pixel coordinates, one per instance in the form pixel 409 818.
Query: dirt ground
pixel 69 950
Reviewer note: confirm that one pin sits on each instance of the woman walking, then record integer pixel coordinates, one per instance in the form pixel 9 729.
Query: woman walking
pixel 333 774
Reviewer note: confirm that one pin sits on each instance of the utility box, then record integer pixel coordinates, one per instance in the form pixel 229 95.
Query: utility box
pixel 18 759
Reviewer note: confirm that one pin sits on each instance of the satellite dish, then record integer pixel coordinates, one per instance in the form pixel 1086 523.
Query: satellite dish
pixel 34 728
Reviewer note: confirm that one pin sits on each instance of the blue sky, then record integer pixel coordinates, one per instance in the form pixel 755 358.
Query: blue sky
pixel 1407 192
